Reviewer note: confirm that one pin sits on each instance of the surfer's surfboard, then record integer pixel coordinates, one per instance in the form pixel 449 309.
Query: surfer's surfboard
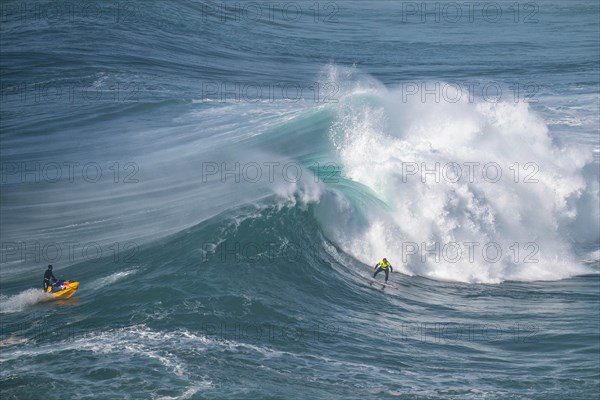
pixel 384 284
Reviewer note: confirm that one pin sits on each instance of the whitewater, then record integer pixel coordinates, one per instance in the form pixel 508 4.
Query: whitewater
pixel 221 178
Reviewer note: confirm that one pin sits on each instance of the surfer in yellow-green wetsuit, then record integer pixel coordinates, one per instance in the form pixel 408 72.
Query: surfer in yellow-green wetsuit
pixel 384 266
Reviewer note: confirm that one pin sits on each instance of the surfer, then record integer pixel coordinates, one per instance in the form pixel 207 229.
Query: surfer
pixel 47 276
pixel 384 266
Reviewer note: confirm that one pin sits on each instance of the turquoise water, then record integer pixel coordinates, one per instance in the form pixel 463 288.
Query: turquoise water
pixel 222 177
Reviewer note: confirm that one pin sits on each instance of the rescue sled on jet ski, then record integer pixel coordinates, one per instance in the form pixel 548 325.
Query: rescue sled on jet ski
pixel 63 289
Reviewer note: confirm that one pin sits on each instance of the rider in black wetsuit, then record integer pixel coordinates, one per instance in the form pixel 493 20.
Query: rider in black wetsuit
pixel 47 276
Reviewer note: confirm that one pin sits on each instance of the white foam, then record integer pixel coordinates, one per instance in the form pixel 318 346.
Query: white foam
pixel 185 395
pixel 300 193
pixel 112 278
pixel 137 340
pixel 592 256
pixel 20 301
pixel 376 139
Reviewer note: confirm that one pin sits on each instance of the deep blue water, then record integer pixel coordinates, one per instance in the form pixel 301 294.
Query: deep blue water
pixel 221 177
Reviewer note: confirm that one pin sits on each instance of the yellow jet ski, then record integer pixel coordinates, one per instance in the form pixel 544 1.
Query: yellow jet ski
pixel 63 289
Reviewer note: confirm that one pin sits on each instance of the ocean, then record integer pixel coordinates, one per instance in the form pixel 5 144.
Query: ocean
pixel 223 177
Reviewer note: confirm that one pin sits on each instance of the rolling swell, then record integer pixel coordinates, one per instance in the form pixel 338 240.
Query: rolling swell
pixel 362 161
pixel 261 286
pixel 261 289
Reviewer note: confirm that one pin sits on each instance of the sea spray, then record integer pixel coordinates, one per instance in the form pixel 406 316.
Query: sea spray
pixel 485 178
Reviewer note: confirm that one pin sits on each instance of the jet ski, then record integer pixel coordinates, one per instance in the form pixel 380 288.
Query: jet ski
pixel 63 289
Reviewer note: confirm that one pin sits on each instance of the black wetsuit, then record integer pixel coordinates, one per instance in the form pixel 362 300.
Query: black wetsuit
pixel 47 276
pixel 386 270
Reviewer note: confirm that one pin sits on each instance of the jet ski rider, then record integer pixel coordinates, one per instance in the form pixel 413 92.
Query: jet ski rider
pixel 47 276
